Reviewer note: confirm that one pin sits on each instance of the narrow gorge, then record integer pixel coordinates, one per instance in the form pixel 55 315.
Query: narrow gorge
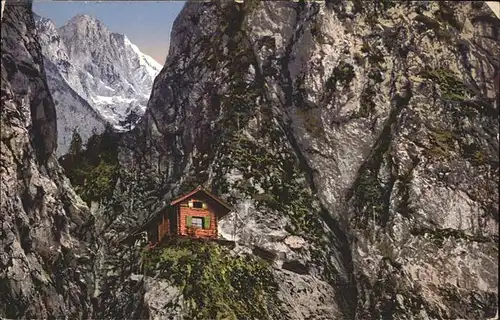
pixel 357 142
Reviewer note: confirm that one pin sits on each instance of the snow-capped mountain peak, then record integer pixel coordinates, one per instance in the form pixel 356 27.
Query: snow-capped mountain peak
pixel 152 66
pixel 105 69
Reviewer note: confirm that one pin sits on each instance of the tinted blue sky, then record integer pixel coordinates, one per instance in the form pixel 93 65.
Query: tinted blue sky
pixel 147 24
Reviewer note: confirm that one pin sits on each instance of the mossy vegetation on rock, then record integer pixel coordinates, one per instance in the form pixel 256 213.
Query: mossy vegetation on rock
pixel 214 283
pixel 275 179
pixel 235 102
pixel 391 296
pixel 442 143
pixel 438 236
pixel 372 52
pixel 452 88
pixel 279 175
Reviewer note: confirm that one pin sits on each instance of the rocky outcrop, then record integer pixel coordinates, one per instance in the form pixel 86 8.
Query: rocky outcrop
pixel 47 232
pixel 370 131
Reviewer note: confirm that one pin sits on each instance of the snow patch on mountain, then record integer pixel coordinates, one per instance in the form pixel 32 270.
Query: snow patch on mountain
pixel 73 113
pixel 151 66
pixel 109 77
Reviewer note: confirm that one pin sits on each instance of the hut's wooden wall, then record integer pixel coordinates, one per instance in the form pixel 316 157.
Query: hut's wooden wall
pixel 186 211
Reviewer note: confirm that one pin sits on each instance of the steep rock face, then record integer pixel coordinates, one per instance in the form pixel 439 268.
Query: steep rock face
pixel 367 131
pixel 47 232
pixel 95 76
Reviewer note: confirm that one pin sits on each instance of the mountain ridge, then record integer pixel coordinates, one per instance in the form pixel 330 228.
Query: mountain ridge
pixel 106 70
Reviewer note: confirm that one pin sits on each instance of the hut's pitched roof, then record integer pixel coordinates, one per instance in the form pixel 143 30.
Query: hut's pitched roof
pixel 201 189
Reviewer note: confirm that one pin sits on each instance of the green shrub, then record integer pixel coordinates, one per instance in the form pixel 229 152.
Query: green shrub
pixel 98 181
pixel 442 143
pixel 93 171
pixel 451 87
pixel 344 73
pixel 214 284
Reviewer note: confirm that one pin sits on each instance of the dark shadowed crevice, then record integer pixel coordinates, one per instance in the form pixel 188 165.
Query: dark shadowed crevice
pixel 366 188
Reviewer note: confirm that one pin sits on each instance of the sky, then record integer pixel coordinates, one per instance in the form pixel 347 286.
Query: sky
pixel 495 6
pixel 146 23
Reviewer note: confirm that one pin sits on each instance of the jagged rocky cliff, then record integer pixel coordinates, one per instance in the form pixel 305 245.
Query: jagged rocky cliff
pixel 96 77
pixel 47 233
pixel 357 141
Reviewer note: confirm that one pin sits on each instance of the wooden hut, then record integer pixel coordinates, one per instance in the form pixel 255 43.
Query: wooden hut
pixel 194 214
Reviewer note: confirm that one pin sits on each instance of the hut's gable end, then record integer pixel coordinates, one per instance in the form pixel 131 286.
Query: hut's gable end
pixel 219 206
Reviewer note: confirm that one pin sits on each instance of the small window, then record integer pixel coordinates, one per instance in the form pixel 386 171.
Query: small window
pixel 198 204
pixel 197 222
